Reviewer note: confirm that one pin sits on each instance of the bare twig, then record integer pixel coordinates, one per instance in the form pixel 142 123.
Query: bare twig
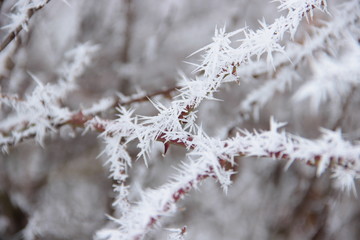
pixel 145 97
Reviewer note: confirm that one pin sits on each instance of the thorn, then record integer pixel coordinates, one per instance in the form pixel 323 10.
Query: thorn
pixel 166 148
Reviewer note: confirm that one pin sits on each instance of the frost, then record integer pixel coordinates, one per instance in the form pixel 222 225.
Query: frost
pixel 23 12
pixel 177 234
pixel 334 84
pixel 320 66
pixel 41 110
pixel 344 179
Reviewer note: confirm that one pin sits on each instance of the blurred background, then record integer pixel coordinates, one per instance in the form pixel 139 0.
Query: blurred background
pixel 63 191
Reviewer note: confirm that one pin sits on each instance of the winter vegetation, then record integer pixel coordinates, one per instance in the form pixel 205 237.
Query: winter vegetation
pixel 178 120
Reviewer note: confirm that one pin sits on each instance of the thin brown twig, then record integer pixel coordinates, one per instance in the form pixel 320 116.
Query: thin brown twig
pixel 145 97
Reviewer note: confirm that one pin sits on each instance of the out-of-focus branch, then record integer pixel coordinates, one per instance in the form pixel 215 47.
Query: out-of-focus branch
pixel 129 22
pixel 14 214
pixel 11 98
pixel 1 3
pixel 11 36
pixel 313 205
pixel 124 53
pixel 9 63
pixel 345 109
pixel 277 81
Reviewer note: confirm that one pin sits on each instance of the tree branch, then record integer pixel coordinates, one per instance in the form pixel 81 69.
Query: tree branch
pixel 12 35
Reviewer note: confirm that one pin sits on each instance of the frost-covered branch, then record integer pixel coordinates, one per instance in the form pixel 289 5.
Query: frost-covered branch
pixel 25 9
pixel 258 52
pixel 85 118
pixel 222 60
pixel 207 158
pixel 334 84
pixel 175 124
pixel 42 110
pixel 332 35
pixel 156 204
pixel 344 19
pixel 257 98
